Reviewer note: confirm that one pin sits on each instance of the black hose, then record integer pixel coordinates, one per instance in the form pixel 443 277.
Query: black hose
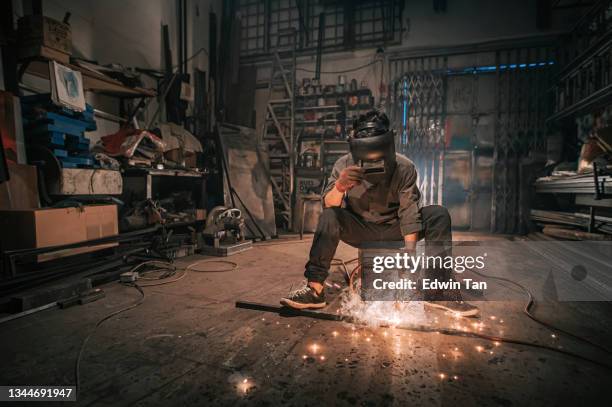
pixel 527 311
pixel 77 366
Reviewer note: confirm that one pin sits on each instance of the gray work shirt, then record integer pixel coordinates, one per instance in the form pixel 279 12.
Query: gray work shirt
pixel 386 202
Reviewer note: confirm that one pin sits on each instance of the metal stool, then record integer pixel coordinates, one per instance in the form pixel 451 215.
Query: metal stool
pixel 307 198
pixel 354 279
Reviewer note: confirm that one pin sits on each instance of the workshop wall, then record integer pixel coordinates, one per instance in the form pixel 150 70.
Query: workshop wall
pixel 134 30
pixel 426 28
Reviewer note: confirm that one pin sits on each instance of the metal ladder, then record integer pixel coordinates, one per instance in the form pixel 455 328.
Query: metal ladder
pixel 278 130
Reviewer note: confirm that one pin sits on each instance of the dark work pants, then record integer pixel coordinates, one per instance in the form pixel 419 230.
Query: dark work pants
pixel 337 224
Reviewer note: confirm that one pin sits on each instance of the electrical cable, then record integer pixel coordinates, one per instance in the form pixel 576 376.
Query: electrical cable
pixel 474 335
pixel 233 266
pixel 172 79
pixel 162 265
pixel 170 269
pixel 163 282
pixel 192 57
pixel 527 310
pixel 357 68
pixel 77 366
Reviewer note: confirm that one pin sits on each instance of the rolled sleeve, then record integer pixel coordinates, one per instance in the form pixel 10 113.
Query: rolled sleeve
pixel 410 203
pixel 331 181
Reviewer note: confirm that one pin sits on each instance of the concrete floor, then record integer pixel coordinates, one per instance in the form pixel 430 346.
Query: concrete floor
pixel 187 344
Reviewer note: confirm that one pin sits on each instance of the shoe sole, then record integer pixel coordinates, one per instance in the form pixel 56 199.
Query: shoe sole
pixel 299 305
pixel 470 313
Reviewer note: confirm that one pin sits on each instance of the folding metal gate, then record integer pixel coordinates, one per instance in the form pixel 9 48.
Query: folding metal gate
pixel 523 104
pixel 471 122
pixel 418 117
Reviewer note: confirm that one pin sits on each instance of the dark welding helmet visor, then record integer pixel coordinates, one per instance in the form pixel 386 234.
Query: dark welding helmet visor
pixel 372 147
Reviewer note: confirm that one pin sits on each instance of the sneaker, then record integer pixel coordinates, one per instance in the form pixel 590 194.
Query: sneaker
pixel 304 298
pixel 460 308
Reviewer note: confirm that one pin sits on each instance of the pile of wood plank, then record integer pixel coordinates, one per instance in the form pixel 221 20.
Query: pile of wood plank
pixel 59 129
pixel 574 226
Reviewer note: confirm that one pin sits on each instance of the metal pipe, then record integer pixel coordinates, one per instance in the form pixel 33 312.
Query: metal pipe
pixel 320 39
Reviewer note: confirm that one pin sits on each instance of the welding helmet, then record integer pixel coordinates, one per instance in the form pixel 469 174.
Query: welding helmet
pixel 372 146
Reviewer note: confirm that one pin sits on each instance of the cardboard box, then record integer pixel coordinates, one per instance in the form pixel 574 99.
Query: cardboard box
pixel 43 31
pixel 21 190
pixel 37 228
pixel 45 52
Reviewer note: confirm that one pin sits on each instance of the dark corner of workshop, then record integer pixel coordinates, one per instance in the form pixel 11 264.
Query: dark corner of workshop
pixel 306 202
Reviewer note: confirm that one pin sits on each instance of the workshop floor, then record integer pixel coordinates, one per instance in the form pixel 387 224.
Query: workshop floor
pixel 187 344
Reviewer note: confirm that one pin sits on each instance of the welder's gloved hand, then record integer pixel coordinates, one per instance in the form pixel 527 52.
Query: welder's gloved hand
pixel 349 177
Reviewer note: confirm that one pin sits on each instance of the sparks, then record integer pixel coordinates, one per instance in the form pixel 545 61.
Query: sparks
pixel 335 333
pixel 455 377
pixel 479 348
pixel 442 376
pixel 493 317
pixel 244 386
pixel 553 336
pixel 322 357
pixel 496 343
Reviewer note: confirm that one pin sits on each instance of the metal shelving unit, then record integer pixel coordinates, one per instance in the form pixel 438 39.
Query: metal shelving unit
pixel 585 78
pixel 583 85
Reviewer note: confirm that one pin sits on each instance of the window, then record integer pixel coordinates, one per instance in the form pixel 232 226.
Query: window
pixel 348 25
pixel 251 14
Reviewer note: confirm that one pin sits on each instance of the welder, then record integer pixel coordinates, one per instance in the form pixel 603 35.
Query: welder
pixel 372 195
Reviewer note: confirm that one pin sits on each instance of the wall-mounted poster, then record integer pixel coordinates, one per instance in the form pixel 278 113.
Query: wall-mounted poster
pixel 66 87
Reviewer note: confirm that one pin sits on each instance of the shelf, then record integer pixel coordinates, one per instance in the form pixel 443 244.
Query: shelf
pixel 594 100
pixel 586 56
pixel 320 121
pixel 582 220
pixel 309 172
pixel 361 107
pixel 577 184
pixel 329 107
pixel 92 81
pixel 335 142
pixel 162 173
